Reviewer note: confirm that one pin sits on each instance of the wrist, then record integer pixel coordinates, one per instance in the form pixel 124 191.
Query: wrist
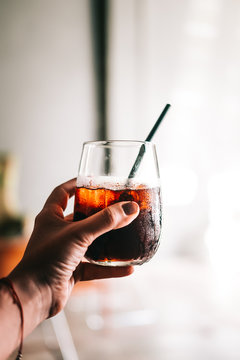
pixel 35 299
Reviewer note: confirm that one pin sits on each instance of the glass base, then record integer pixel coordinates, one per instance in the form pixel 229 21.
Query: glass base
pixel 116 263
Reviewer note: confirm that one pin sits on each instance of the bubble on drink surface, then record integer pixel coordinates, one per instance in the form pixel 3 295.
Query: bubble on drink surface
pixel 116 183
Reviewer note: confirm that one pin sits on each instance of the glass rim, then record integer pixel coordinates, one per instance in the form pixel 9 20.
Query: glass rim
pixel 108 143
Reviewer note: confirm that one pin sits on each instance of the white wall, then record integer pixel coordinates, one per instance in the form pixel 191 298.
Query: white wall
pixel 186 53
pixel 46 91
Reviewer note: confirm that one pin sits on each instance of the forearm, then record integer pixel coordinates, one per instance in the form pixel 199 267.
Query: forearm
pixel 10 323
pixel 35 304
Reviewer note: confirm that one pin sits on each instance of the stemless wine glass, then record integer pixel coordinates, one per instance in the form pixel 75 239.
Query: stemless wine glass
pixel 113 171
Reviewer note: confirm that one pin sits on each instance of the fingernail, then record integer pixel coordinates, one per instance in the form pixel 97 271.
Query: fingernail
pixel 130 208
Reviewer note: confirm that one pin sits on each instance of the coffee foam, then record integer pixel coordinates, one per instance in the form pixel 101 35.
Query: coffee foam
pixel 115 183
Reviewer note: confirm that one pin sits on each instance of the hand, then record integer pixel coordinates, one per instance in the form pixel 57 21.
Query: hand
pixel 53 258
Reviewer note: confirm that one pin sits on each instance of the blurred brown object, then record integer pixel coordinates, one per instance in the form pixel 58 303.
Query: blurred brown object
pixel 8 184
pixel 11 253
pixel 12 222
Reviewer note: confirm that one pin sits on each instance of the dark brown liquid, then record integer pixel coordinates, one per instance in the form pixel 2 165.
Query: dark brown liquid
pixel 135 243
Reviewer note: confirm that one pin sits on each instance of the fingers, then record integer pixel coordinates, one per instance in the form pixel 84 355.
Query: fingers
pixel 86 271
pixel 112 217
pixel 60 195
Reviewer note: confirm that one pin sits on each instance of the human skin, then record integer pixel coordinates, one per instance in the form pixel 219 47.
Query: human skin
pixel 53 263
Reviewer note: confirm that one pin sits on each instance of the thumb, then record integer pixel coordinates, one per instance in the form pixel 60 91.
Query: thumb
pixel 112 217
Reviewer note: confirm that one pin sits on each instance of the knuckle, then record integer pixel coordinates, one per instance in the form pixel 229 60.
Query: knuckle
pixel 108 217
pixel 87 239
pixel 39 217
pixel 57 191
pixel 84 237
pixel 57 188
pixel 42 216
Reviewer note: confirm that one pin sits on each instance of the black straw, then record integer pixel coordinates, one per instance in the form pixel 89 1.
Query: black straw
pixel 156 125
pixel 148 138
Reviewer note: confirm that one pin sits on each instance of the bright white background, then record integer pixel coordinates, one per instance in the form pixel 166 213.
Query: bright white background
pixel 185 53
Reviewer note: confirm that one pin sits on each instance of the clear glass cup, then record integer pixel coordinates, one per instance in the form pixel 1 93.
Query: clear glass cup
pixel 113 171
